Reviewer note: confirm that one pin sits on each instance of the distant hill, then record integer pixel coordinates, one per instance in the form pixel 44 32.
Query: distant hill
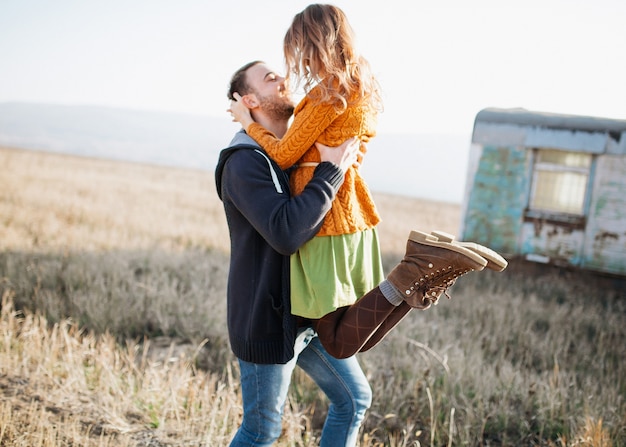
pixel 142 136
pixel 425 166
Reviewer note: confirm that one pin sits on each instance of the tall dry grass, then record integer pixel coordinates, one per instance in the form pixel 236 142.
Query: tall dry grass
pixel 112 327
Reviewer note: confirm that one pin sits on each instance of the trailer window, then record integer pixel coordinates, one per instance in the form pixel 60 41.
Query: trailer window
pixel 560 181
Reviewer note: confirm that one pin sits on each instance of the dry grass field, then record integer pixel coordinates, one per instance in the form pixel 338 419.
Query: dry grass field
pixel 112 327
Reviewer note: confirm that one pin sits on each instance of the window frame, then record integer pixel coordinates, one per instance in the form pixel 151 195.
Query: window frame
pixel 557 216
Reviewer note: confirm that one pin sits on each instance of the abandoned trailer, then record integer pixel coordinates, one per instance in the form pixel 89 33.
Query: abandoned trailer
pixel 548 188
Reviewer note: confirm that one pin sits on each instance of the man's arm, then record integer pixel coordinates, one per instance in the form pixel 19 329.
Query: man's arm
pixel 285 222
pixel 343 156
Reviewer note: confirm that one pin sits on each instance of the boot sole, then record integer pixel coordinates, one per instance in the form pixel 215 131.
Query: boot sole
pixel 431 240
pixel 494 260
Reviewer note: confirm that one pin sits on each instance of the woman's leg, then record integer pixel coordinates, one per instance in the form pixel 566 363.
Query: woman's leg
pixel 390 322
pixel 428 268
pixel 347 388
pixel 344 331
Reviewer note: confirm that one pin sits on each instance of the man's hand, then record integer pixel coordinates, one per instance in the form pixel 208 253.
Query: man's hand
pixel 343 156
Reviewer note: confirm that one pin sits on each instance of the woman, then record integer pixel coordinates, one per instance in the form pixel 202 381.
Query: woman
pixel 337 278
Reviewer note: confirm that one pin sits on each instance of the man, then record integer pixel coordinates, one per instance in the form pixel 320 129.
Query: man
pixel 266 226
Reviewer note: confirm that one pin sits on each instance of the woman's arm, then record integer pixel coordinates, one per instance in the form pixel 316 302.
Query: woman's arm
pixel 308 124
pixel 240 112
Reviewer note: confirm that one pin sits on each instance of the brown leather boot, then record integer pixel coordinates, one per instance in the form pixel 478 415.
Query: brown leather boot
pixel 431 266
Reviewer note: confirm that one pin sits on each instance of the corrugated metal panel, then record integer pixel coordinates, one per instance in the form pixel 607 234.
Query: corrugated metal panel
pixel 605 241
pixel 569 140
pixel 564 139
pixel 503 135
pixel 617 145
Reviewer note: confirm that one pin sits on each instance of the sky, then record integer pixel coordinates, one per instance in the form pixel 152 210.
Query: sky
pixel 439 62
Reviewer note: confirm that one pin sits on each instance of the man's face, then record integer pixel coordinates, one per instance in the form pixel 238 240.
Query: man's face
pixel 271 92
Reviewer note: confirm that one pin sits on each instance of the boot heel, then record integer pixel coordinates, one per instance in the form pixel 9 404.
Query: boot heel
pixel 422 238
pixel 443 236
pixel 494 260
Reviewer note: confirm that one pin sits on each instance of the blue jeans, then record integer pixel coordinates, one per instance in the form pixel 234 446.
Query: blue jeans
pixel 264 391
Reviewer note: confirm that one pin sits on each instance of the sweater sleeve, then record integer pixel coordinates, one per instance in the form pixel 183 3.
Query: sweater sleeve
pixel 308 124
pixel 285 222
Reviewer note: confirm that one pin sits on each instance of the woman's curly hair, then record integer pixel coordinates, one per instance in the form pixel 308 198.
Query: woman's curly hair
pixel 319 49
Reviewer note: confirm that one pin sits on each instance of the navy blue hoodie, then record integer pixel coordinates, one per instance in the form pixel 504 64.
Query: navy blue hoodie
pixel 266 226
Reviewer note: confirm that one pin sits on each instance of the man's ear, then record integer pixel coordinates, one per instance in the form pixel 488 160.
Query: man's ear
pixel 250 101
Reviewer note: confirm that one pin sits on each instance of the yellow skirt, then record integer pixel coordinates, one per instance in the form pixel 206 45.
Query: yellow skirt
pixel 329 272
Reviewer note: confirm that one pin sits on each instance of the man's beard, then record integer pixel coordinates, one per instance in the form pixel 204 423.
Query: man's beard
pixel 278 108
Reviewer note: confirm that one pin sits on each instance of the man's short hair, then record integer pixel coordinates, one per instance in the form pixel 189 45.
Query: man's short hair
pixel 239 81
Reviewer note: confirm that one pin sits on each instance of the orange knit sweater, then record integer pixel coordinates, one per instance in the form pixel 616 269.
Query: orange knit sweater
pixel 353 208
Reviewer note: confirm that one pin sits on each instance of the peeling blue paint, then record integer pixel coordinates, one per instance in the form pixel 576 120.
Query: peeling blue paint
pixel 498 197
pixel 496 209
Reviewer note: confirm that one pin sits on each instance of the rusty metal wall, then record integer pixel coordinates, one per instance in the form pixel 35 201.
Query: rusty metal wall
pixel 498 186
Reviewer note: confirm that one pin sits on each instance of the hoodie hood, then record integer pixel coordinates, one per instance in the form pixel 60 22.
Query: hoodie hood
pixel 241 140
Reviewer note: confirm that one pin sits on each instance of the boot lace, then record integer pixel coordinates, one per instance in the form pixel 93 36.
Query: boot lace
pixel 439 282
pixel 433 294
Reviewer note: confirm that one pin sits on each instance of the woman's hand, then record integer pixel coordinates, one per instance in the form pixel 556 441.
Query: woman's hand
pixel 240 112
